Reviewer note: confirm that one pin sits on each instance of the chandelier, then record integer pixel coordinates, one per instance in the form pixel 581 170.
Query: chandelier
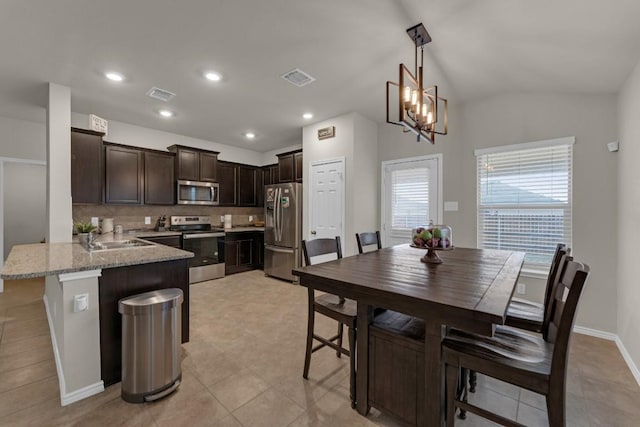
pixel 420 109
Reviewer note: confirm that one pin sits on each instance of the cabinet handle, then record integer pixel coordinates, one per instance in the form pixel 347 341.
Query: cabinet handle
pixel 313 232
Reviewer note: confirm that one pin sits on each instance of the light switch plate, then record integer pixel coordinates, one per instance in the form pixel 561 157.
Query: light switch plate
pixel 522 289
pixel 95 221
pixel 250 218
pixel 147 220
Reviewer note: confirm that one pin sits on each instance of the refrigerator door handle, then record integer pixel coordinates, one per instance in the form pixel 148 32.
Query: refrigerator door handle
pixel 279 214
pixel 279 250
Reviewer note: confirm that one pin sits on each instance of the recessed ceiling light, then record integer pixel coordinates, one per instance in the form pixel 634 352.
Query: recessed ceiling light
pixel 250 135
pixel 213 76
pixel 307 116
pixel 165 113
pixel 116 77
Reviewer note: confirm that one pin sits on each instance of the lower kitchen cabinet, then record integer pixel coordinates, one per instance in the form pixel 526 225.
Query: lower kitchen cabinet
pixel 244 251
pixel 173 241
pixel 121 282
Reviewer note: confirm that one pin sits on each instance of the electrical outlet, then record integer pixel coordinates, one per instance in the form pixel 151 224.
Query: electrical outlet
pixel 95 221
pixel 222 218
pixel 522 288
pixel 147 220
pixel 80 303
pixel 250 218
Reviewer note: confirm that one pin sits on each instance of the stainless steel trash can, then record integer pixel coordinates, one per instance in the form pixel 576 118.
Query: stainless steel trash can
pixel 151 338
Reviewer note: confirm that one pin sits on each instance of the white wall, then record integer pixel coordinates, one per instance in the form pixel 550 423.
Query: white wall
pixel 22 139
pixel 356 141
pixel 628 219
pixel 124 133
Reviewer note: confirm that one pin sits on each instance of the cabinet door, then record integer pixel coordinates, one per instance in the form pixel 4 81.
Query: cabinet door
pixel 228 179
pixel 173 241
pixel 297 166
pixel 208 167
pixel 159 181
pixel 245 251
pixel 123 175
pixel 230 256
pixel 259 187
pixel 285 167
pixel 247 186
pixel 86 168
pixel 188 163
pixel 274 171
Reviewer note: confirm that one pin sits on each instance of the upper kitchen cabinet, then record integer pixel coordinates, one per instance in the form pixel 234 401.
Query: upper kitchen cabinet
pixel 290 166
pixel 86 166
pixel 270 174
pixel 247 185
pixel 159 178
pixel 228 180
pixel 195 165
pixel 124 174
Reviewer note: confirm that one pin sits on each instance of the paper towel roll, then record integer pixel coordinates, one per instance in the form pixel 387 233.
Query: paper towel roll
pixel 227 221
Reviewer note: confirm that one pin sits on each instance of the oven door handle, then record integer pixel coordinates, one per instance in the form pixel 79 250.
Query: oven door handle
pixel 201 235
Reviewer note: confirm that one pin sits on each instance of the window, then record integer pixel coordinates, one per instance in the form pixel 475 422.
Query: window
pixel 410 197
pixel 524 198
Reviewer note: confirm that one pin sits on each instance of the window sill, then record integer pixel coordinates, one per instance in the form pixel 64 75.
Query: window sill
pixel 534 274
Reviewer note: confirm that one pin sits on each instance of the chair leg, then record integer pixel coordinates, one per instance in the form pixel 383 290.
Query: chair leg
pixel 338 352
pixel 307 356
pixel 462 391
pixel 473 380
pixel 352 366
pixel 556 408
pixel 451 387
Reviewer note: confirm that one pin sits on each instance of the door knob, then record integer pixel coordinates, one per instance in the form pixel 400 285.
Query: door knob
pixel 313 232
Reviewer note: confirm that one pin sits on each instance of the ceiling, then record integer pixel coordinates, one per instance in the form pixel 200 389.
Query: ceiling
pixel 479 48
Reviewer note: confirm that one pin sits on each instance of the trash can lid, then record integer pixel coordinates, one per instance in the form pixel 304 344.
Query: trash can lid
pixel 162 299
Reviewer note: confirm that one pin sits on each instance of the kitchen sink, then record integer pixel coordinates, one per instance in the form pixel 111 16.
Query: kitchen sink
pixel 120 244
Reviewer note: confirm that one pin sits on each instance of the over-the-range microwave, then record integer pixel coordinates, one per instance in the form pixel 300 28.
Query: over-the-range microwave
pixel 198 193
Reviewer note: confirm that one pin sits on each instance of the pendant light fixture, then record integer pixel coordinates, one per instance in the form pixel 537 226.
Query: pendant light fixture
pixel 420 109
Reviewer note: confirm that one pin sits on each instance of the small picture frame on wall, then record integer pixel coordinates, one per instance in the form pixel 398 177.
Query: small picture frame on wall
pixel 328 132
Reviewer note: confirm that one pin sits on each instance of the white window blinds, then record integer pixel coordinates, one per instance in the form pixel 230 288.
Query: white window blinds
pixel 410 198
pixel 524 200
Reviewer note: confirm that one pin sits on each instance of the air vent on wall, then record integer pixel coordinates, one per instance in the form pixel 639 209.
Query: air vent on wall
pixel 297 77
pixel 161 94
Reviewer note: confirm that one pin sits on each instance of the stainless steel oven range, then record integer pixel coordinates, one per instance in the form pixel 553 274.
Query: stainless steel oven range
pixel 206 243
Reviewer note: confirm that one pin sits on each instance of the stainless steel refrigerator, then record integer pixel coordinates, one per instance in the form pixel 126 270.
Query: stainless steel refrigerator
pixel 283 229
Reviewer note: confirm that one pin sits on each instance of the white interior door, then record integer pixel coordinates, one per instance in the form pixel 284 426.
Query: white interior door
pixel 327 200
pixel 411 196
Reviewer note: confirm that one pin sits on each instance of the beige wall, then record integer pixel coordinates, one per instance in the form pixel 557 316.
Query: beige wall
pixel 629 216
pixel 22 139
pixel 515 118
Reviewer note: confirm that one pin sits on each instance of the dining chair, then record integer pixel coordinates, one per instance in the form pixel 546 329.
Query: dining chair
pixel 529 315
pixel 368 239
pixel 343 310
pixel 534 362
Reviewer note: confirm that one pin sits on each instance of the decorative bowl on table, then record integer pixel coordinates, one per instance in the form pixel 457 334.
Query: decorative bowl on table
pixel 433 238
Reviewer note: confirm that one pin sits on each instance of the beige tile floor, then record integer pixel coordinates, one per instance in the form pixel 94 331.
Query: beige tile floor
pixel 243 367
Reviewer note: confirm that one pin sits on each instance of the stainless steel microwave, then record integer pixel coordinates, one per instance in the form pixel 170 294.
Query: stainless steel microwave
pixel 198 193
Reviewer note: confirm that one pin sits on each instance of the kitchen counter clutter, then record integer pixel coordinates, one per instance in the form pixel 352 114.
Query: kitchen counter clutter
pixel 45 259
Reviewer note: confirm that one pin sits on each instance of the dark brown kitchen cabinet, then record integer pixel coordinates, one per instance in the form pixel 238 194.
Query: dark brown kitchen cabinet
pixel 297 166
pixel 260 187
pixel 285 167
pixel 124 174
pixel 192 164
pixel 86 166
pixel 228 180
pixel 247 178
pixel 270 174
pixel 243 251
pixel 173 241
pixel 159 178
pixel 290 166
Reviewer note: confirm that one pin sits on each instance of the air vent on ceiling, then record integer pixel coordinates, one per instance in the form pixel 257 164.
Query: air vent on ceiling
pixel 297 77
pixel 161 94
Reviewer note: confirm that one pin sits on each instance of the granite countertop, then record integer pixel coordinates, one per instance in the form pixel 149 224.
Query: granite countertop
pixel 45 259
pixel 241 229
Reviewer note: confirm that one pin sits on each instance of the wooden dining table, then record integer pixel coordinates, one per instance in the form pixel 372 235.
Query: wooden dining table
pixel 470 290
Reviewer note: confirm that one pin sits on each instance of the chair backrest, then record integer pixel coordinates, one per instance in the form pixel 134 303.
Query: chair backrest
pixel 368 239
pixel 564 303
pixel 317 247
pixel 554 275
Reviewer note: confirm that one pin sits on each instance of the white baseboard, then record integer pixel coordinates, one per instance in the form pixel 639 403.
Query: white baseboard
pixel 615 338
pixel 67 398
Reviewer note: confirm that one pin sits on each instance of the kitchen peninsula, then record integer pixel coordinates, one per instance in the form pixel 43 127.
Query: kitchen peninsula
pixel 87 340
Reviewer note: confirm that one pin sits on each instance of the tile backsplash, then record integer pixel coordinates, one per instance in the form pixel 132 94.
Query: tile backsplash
pixel 132 217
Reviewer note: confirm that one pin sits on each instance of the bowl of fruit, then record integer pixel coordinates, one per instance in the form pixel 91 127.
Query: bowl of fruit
pixel 433 238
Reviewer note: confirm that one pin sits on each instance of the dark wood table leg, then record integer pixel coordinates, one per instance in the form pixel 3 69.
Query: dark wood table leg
pixel 434 384
pixel 362 354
